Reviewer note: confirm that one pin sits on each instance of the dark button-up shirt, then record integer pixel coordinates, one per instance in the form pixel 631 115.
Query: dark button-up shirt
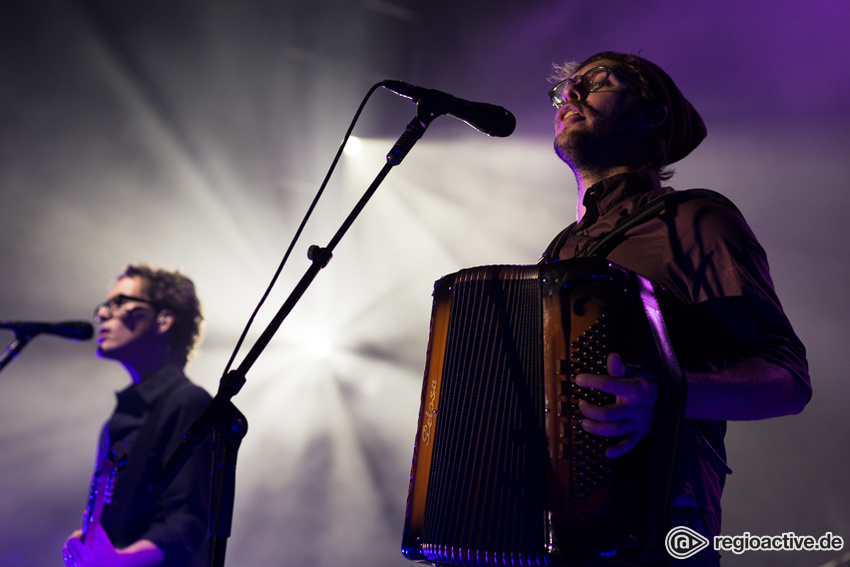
pixel 705 255
pixel 146 427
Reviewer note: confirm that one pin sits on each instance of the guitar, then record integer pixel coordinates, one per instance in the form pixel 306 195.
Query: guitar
pixel 100 492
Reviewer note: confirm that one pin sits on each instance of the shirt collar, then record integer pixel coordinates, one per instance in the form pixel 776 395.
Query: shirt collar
pixel 144 393
pixel 604 195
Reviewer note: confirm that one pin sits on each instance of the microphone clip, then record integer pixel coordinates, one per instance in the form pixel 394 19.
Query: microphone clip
pixel 412 133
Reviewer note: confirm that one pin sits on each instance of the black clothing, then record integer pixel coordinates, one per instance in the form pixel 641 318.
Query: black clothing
pixel 704 254
pixel 147 425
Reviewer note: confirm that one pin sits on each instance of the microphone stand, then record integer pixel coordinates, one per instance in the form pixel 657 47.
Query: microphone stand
pixel 221 417
pixel 14 348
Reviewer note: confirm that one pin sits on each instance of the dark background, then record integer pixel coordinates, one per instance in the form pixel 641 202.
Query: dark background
pixel 193 134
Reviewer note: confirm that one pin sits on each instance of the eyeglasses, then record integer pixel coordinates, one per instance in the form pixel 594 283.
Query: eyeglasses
pixel 591 81
pixel 112 305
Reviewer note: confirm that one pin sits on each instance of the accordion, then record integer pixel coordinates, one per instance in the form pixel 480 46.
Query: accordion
pixel 503 472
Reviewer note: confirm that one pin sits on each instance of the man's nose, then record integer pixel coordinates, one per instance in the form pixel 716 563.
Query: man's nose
pixel 575 91
pixel 102 313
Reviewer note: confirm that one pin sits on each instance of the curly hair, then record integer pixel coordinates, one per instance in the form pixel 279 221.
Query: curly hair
pixel 633 75
pixel 174 291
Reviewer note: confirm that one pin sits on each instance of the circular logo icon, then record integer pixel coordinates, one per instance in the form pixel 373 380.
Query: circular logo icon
pixel 683 542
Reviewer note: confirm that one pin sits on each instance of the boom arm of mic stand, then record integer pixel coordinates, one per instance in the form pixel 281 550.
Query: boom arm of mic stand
pixel 15 347
pixel 221 415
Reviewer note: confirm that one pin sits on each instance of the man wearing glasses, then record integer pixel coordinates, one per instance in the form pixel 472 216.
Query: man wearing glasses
pixel 620 122
pixel 150 324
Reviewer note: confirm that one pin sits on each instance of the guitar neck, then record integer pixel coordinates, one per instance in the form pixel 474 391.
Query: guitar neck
pixel 100 493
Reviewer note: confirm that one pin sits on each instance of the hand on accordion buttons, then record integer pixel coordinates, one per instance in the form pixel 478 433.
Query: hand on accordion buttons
pixel 629 417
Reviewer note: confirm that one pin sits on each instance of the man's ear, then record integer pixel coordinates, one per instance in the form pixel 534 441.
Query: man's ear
pixel 165 320
pixel 655 116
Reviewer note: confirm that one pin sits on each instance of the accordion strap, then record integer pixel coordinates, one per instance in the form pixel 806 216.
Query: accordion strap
pixel 649 211
pixel 667 423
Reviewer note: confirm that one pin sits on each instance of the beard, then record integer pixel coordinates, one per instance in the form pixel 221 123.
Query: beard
pixel 581 148
pixel 598 143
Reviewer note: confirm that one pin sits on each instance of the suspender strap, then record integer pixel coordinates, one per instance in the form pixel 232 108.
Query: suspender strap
pixel 648 212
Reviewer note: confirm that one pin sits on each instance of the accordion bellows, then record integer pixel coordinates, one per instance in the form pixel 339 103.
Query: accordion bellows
pixel 503 473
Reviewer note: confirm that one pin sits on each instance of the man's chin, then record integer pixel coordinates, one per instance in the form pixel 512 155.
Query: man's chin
pixel 105 353
pixel 564 151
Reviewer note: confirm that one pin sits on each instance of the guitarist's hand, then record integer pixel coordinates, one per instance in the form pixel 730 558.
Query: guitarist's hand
pixel 98 551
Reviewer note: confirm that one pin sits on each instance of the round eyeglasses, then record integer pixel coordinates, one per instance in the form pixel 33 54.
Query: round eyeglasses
pixel 115 303
pixel 592 80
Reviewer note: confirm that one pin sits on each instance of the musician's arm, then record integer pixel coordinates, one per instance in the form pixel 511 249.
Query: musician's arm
pixel 99 551
pixel 143 553
pixel 771 381
pixel 739 354
pixel 183 522
pixel 753 388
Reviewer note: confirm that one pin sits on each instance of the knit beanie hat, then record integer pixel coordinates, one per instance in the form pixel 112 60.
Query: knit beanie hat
pixel 684 129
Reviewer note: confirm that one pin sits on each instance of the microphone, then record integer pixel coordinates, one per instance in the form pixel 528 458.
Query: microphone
pixel 488 118
pixel 77 330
